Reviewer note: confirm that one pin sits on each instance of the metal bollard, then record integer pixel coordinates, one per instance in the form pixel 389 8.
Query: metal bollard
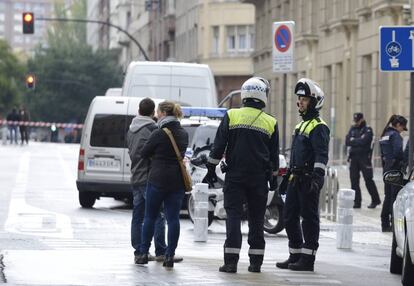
pixel 200 193
pixel 345 217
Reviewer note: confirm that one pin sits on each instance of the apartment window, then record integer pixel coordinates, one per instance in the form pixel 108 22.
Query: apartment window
pixel 18 28
pixel 2 17
pixel 18 17
pixel 240 38
pixel 231 38
pixel 215 40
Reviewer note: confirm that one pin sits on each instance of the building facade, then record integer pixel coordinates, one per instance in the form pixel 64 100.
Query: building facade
pixel 98 36
pixel 336 44
pixel 11 23
pixel 220 34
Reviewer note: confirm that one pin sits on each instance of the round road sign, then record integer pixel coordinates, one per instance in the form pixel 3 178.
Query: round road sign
pixel 282 38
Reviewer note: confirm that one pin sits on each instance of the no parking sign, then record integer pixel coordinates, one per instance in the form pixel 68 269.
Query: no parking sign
pixel 283 45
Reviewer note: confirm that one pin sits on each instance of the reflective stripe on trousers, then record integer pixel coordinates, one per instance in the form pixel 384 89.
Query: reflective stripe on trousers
pixel 231 250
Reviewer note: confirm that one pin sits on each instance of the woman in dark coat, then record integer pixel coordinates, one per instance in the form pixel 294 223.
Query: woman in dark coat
pixel 165 181
pixel 391 144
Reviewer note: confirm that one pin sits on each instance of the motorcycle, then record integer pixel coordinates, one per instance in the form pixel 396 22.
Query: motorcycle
pixel 273 222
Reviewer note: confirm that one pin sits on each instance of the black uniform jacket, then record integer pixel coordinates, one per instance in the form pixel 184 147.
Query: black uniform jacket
pixel 250 140
pixel 359 138
pixel 310 146
pixel 391 144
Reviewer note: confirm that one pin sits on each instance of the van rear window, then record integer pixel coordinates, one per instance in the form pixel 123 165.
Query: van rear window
pixel 109 130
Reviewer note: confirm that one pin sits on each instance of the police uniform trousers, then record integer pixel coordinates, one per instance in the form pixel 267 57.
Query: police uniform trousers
pixel 237 191
pixel 363 164
pixel 389 198
pixel 300 202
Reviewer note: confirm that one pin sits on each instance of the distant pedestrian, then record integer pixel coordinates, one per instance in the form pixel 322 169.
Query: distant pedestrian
pixel 139 131
pixel 165 181
pixel 359 141
pixel 24 117
pixel 13 119
pixel 391 144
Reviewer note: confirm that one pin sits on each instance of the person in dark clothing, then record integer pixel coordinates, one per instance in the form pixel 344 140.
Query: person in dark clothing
pixel 309 156
pixel 250 141
pixel 13 119
pixel 24 117
pixel 139 131
pixel 391 144
pixel 359 139
pixel 165 181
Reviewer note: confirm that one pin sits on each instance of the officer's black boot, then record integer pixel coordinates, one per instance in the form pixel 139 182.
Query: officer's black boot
pixel 256 262
pixel 230 263
pixel 305 263
pixel 228 268
pixel 292 259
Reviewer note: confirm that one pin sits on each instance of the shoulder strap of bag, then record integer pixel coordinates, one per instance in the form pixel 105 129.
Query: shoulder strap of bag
pixel 177 152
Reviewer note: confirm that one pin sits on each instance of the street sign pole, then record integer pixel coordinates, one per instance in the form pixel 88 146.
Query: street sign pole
pixel 284 114
pixel 411 135
pixel 283 62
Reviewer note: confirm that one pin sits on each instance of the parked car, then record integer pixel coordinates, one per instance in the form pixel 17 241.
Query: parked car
pixel 402 252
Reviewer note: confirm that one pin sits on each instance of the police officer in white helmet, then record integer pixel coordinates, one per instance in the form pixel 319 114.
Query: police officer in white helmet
pixel 309 156
pixel 249 139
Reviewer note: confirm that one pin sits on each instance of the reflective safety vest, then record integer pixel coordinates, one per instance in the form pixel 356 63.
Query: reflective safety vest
pixel 251 118
pixel 302 152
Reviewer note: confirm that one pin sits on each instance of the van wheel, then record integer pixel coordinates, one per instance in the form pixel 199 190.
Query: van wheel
pixel 396 261
pixel 407 277
pixel 86 199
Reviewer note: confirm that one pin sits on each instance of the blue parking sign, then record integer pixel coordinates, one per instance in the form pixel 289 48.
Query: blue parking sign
pixel 396 48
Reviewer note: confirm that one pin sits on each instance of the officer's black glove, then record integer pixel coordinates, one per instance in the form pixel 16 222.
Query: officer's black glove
pixel 211 176
pixel 284 184
pixel 317 181
pixel 273 183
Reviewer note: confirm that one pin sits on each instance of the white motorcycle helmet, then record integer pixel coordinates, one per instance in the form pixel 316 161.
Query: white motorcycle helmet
pixel 309 88
pixel 256 88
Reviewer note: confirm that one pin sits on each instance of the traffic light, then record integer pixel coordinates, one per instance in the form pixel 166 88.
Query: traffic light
pixel 30 81
pixel 28 23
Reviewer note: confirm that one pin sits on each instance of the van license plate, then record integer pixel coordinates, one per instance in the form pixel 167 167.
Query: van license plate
pixel 105 164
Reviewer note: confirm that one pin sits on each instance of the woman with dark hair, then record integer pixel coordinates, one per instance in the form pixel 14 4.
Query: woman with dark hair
pixel 165 181
pixel 391 144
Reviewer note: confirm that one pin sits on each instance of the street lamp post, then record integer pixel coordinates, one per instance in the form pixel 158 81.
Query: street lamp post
pixel 102 23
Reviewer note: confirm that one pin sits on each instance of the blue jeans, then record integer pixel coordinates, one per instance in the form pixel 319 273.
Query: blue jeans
pixel 137 220
pixel 13 133
pixel 172 205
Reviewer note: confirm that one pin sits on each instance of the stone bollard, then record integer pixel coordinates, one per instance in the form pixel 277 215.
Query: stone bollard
pixel 345 217
pixel 200 194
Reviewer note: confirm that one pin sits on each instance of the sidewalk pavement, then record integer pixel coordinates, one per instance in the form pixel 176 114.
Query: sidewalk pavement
pixel 367 222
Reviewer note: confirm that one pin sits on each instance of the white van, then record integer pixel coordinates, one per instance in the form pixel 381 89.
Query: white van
pixel 104 163
pixel 188 84
pixel 113 91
